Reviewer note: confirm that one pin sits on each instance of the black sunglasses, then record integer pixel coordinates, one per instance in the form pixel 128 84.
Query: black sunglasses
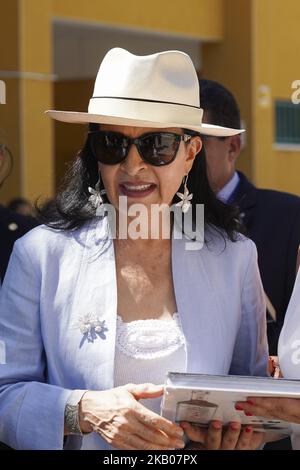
pixel 155 148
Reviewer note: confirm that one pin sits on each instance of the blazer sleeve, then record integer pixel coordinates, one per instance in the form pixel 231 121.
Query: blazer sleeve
pixel 292 254
pixel 250 355
pixel 31 411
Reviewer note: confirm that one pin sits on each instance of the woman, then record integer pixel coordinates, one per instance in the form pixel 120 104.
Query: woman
pixel 89 307
pixel 287 409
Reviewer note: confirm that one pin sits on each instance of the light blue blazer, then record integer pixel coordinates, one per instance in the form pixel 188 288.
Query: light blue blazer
pixel 55 278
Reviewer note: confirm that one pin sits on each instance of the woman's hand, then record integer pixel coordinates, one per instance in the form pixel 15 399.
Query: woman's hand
pixel 118 417
pixel 287 409
pixel 215 438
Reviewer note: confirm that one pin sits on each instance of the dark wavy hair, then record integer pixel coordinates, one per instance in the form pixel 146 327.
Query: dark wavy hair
pixel 71 207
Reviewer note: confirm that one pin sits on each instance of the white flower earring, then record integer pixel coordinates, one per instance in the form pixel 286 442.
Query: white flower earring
pixel 96 197
pixel 186 197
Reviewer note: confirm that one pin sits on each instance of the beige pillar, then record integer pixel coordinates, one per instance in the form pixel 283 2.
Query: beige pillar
pixel 25 66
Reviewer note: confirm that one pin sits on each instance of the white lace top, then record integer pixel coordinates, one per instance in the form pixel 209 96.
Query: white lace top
pixel 146 350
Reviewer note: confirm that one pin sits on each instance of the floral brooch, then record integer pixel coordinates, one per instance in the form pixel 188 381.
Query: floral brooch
pixel 91 327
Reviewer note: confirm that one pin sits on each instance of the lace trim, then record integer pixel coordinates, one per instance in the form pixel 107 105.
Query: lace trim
pixel 149 339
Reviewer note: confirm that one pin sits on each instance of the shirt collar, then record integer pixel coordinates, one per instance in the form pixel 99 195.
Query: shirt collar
pixel 225 193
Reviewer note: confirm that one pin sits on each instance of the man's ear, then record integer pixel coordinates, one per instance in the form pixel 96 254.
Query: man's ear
pixel 235 145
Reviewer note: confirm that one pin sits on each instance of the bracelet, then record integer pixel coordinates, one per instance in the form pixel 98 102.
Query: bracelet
pixel 71 412
pixel 72 419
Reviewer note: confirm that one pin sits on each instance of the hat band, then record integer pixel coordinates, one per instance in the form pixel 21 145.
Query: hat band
pixel 163 114
pixel 145 100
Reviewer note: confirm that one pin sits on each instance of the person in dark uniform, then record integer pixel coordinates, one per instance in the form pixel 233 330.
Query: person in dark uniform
pixel 12 227
pixel 271 218
pixel 21 205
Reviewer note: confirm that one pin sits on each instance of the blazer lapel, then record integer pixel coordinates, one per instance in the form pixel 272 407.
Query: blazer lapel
pixel 199 309
pixel 245 194
pixel 95 304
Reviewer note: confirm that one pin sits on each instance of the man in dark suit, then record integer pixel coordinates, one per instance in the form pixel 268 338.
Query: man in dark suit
pixel 271 218
pixel 273 222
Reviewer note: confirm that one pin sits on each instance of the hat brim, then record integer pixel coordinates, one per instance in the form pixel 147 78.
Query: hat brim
pixel 84 118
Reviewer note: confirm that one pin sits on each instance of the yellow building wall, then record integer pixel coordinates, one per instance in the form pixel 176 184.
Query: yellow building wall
pixel 229 62
pixel 26 30
pixel 258 61
pixel 27 63
pixel 72 95
pixel 9 112
pixel 276 47
pixel 36 96
pixel 249 43
pixel 9 136
pixel 197 18
pixel 9 35
pixel 170 16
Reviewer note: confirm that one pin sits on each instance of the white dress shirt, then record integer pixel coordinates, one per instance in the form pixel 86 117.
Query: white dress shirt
pixel 225 193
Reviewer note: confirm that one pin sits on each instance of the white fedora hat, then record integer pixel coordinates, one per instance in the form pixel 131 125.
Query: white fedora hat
pixel 158 90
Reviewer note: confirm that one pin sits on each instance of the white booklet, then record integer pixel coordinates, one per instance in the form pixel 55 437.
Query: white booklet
pixel 200 398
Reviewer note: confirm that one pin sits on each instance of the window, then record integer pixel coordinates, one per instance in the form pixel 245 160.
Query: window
pixel 287 117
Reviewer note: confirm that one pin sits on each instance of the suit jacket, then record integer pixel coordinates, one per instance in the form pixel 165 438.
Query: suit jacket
pixel 12 227
pixel 56 278
pixel 272 220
